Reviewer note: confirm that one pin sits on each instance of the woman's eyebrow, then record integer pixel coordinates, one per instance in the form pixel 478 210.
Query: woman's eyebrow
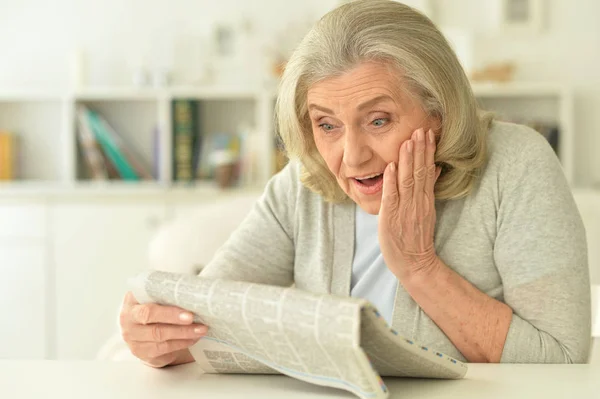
pixel 373 101
pixel 319 108
pixel 362 106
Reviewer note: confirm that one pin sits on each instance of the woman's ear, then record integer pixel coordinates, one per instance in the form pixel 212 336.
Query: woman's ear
pixel 433 122
pixel 436 124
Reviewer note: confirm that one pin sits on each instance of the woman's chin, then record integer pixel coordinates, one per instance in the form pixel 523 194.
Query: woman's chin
pixel 370 204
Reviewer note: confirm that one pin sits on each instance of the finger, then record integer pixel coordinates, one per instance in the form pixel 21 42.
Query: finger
pixel 389 197
pixel 129 299
pixel 405 171
pixel 152 350
pixel 164 332
pixel 124 314
pixel 419 169
pixel 430 176
pixel 153 313
pixel 161 361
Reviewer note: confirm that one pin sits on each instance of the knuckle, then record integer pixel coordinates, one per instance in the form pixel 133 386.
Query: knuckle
pixel 143 314
pixel 157 333
pixel 431 172
pixel 420 173
pixel 408 182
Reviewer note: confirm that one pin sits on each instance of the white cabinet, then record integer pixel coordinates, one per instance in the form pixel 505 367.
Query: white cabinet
pixel 96 247
pixel 22 221
pixel 23 299
pixel 23 289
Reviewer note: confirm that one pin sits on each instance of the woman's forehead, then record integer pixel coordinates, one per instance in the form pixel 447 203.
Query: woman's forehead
pixel 372 82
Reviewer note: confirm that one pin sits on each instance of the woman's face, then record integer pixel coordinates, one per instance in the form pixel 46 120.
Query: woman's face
pixel 359 121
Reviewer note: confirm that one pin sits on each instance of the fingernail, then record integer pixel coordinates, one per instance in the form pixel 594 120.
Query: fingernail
pixel 431 136
pixel 200 330
pixel 409 146
pixel 392 167
pixel 185 317
pixel 420 135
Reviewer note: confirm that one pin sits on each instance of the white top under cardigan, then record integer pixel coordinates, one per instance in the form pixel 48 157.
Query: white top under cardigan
pixel 371 278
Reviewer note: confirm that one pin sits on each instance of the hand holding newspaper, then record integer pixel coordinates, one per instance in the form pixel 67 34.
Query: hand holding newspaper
pixel 319 338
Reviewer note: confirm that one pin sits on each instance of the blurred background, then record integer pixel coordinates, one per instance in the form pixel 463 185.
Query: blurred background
pixel 136 134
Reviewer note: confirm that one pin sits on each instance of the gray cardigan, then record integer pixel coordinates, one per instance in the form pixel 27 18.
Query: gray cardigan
pixel 518 237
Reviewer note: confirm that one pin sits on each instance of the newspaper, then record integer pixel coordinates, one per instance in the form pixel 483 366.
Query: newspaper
pixel 319 338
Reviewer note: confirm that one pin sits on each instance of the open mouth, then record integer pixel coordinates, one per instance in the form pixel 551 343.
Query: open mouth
pixel 370 181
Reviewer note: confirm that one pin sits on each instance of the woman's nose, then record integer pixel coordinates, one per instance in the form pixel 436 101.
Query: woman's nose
pixel 356 148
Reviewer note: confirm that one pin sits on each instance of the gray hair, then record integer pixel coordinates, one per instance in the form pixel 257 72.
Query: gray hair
pixel 393 33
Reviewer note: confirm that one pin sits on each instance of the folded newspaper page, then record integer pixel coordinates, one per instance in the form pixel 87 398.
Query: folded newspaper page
pixel 319 338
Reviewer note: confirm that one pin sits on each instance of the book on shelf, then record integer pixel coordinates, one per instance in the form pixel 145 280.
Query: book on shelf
pixel 105 151
pixel 8 156
pixel 89 147
pixel 187 142
pixel 220 149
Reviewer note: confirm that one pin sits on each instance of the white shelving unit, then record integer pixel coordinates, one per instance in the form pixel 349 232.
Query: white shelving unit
pixel 46 124
pixel 548 102
pixel 46 127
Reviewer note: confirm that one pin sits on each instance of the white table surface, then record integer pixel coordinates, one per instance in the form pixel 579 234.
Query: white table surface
pixel 94 379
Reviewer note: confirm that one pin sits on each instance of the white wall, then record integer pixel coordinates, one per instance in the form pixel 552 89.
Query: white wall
pixel 37 37
pixel 567 50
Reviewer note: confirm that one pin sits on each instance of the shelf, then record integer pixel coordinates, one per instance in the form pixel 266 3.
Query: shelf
pixel 134 94
pixel 116 93
pixel 217 93
pixel 25 95
pixel 95 189
pixel 46 121
pixel 194 92
pixel 518 89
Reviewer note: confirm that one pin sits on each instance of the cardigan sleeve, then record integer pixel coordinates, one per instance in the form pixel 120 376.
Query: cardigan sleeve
pixel 541 255
pixel 261 249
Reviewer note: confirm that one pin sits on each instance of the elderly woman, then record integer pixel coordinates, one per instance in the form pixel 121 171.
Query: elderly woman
pixel 460 229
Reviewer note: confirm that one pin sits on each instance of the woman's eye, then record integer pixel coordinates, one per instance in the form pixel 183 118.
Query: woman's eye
pixel 380 122
pixel 326 127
